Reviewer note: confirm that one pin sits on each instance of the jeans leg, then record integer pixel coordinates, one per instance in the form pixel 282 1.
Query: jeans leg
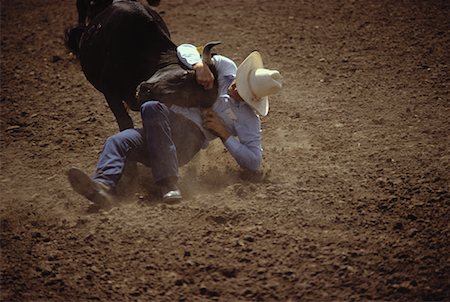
pixel 115 151
pixel 187 136
pixel 162 153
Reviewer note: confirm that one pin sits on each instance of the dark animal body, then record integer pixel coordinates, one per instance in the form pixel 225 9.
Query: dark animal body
pixel 126 44
pixel 88 9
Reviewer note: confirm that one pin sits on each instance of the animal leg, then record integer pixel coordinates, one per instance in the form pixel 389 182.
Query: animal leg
pixel 82 7
pixel 120 113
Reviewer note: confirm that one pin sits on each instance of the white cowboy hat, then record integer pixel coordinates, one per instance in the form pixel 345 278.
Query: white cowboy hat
pixel 255 83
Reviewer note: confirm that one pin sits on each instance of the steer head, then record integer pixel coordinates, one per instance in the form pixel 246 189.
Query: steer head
pixel 174 84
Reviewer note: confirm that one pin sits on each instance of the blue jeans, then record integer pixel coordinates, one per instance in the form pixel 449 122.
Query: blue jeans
pixel 166 141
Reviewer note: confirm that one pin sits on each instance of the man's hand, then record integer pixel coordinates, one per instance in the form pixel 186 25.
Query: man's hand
pixel 204 75
pixel 213 123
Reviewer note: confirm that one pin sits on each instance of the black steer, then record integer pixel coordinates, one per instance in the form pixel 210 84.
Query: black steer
pixel 88 9
pixel 127 44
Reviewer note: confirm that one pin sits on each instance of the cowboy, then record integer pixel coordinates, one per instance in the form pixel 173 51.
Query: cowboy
pixel 171 136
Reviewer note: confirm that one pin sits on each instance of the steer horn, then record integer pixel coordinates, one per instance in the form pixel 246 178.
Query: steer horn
pixel 206 55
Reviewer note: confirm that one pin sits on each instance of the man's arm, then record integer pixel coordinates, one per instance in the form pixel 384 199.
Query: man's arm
pixel 190 57
pixel 247 150
pixel 203 75
pixel 212 122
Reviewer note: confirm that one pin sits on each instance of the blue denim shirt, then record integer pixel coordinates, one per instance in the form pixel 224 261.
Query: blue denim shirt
pixel 239 118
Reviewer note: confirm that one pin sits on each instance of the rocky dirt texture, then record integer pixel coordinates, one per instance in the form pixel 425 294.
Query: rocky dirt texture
pixel 355 203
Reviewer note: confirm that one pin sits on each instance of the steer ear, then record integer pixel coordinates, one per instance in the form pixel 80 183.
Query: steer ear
pixel 206 55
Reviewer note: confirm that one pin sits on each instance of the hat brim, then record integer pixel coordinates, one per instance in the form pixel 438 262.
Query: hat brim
pixel 249 65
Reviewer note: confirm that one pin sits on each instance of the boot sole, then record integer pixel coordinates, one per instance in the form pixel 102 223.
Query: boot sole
pixel 85 186
pixel 81 183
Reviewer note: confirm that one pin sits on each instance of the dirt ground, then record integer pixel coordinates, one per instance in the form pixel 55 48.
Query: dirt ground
pixel 355 203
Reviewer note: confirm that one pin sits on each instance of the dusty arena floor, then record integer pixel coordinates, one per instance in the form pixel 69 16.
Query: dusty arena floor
pixel 355 203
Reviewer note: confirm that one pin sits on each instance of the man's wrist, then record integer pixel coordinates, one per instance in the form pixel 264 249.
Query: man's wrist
pixel 197 65
pixel 224 136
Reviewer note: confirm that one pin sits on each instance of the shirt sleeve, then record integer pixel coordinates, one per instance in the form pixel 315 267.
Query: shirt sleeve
pixel 247 151
pixel 188 55
pixel 224 66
